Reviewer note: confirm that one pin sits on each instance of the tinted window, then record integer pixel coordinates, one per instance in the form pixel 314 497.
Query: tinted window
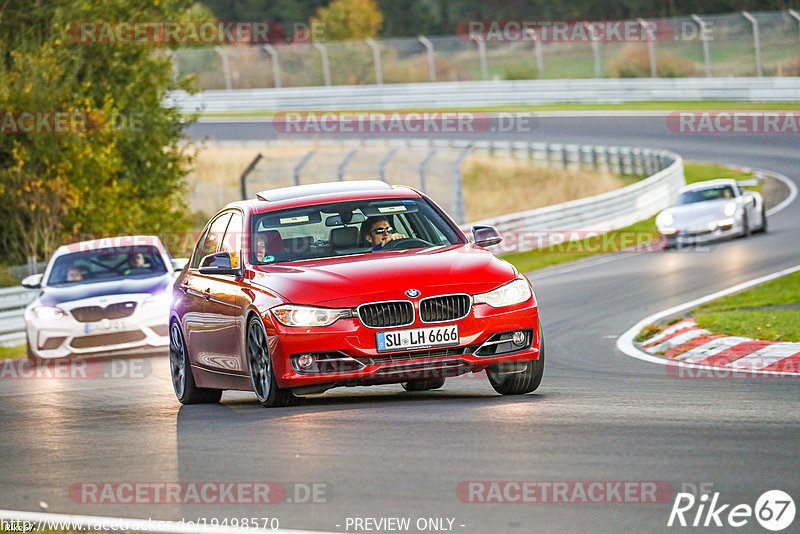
pixel 209 243
pixel 715 193
pixel 338 229
pixel 107 264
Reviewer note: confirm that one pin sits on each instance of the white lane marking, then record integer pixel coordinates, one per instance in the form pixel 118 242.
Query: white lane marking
pixel 680 339
pixel 712 348
pixel 680 325
pixel 625 341
pixel 766 356
pixel 89 522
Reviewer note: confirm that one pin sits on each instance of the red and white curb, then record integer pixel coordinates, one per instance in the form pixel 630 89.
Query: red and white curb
pixel 686 342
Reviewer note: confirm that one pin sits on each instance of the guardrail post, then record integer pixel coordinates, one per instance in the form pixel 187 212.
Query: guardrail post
pixel 299 166
pixel 459 208
pixel 756 42
pixel 385 161
pixel 482 55
pixel 326 66
pixel 226 68
pixel 795 16
pixel 613 159
pixel 247 171
pixel 276 66
pixel 346 161
pixel 651 48
pixel 376 59
pixel 431 58
pixel 595 42
pixel 706 52
pixel 423 165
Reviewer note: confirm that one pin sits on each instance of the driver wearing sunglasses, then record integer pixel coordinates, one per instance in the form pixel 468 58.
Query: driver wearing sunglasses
pixel 379 232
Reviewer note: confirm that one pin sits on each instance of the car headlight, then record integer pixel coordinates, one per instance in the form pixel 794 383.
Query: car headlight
pixel 729 209
pixel 291 315
pixel 665 218
pixel 514 292
pixel 158 300
pixel 48 313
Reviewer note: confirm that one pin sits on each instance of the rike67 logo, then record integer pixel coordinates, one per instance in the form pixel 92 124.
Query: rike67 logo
pixel 774 510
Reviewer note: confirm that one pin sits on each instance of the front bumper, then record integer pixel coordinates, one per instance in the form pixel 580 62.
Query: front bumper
pixel 357 345
pixel 143 332
pixel 701 234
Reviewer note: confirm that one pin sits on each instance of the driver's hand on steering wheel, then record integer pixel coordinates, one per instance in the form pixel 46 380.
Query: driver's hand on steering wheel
pixel 391 237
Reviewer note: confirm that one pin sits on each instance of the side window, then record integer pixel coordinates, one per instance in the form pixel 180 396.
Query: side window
pixel 233 235
pixel 209 243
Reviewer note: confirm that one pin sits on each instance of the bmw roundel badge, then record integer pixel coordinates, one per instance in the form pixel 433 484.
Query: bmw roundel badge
pixel 412 293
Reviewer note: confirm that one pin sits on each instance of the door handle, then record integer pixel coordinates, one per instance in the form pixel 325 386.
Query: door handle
pixel 207 294
pixel 184 288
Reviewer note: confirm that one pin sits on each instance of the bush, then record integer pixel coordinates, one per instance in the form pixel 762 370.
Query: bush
pixel 635 63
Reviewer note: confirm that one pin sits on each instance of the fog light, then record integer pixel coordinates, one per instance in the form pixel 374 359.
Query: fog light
pixel 305 361
pixel 518 338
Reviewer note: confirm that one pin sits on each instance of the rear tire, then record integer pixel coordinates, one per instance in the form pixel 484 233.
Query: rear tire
pixel 262 376
pixel 763 229
pixel 523 382
pixel 746 231
pixel 423 385
pixel 181 370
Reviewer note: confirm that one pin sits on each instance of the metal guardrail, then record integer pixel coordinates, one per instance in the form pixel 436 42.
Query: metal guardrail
pixel 604 212
pixel 446 95
pixel 12 303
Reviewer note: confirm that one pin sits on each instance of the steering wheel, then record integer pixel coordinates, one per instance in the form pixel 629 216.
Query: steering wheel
pixel 405 243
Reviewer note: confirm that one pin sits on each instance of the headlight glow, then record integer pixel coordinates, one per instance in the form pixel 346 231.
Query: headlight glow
pixel 665 218
pixel 158 300
pixel 292 315
pixel 514 292
pixel 48 313
pixel 730 209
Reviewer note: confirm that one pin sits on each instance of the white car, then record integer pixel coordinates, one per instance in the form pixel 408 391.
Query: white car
pixel 101 297
pixel 712 210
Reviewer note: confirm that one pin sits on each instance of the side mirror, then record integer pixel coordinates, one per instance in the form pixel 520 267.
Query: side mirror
pixel 33 281
pixel 220 263
pixel 179 263
pixel 486 236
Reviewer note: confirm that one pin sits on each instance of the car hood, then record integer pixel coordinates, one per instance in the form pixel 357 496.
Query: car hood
pixel 52 296
pixel 710 210
pixel 352 280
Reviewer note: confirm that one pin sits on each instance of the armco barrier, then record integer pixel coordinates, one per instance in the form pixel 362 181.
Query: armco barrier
pixel 444 95
pixel 12 303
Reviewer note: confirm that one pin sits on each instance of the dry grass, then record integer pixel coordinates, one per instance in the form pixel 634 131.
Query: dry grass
pixel 492 186
pixel 497 186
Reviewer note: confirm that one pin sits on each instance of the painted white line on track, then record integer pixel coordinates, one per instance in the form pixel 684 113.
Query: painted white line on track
pixel 625 341
pixel 89 522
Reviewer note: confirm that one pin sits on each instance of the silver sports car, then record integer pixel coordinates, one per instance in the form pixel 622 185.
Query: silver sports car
pixel 712 210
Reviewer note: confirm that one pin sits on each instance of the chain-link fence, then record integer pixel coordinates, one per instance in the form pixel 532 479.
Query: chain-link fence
pixel 738 44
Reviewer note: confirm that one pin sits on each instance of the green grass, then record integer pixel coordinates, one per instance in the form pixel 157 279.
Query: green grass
pixel 615 240
pixel 704 105
pixel 772 325
pixel 12 352
pixel 782 291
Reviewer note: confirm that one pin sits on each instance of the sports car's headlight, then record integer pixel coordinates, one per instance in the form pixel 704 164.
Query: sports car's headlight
pixel 48 313
pixel 291 315
pixel 158 300
pixel 664 218
pixel 729 209
pixel 514 292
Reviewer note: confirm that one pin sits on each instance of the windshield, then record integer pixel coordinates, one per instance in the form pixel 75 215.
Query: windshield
pixel 715 193
pixel 342 228
pixel 103 265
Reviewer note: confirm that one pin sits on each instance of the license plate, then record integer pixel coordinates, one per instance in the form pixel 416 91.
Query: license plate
pixel 105 325
pixel 418 338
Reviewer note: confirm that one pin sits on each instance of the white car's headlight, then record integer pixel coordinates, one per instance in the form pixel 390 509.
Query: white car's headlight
pixel 664 218
pixel 48 313
pixel 292 315
pixel 514 292
pixel 729 209
pixel 158 300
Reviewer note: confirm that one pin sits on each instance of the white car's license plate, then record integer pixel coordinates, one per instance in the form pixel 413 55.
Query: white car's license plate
pixel 105 325
pixel 418 338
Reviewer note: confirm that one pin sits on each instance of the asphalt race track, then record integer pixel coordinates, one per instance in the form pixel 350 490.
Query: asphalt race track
pixel 599 415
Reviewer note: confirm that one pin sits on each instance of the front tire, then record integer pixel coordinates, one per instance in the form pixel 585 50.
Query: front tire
pixel 181 370
pixel 262 376
pixel 423 385
pixel 522 382
pixel 763 229
pixel 746 230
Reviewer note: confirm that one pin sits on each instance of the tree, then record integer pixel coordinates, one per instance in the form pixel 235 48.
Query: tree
pixel 121 167
pixel 349 19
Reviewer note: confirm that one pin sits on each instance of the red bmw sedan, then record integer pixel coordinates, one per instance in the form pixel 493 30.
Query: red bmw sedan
pixel 347 284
